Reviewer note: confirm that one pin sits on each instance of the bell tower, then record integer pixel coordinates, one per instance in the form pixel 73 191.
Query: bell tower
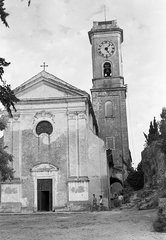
pixel 109 94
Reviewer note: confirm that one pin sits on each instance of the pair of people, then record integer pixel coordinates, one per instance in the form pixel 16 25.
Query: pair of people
pixel 95 206
pixel 118 199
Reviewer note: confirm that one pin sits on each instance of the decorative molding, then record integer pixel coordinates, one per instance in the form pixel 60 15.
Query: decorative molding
pixel 102 94
pixel 72 115
pixel 45 171
pixel 16 116
pixel 12 181
pixel 113 94
pixel 78 179
pixel 44 167
pixel 43 115
pixel 82 115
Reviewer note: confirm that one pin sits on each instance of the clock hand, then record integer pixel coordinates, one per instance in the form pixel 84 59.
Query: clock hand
pixel 106 48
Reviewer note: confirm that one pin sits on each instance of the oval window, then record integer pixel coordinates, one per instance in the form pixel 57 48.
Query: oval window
pixel 44 127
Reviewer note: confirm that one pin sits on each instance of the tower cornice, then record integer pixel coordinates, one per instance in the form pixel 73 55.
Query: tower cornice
pixel 105 27
pixel 108 82
pixel 122 88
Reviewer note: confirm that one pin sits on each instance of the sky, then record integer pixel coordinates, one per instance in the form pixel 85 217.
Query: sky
pixel 56 32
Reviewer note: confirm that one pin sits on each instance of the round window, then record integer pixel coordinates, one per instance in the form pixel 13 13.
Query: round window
pixel 44 127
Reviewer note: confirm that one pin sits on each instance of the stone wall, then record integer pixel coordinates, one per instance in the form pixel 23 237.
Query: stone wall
pixel 97 168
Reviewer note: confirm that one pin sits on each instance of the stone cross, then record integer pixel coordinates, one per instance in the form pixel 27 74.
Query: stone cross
pixel 44 66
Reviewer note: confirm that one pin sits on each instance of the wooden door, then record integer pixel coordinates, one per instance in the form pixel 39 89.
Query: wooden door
pixel 44 194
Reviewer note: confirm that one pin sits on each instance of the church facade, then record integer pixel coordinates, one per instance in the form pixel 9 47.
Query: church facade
pixel 65 147
pixel 57 153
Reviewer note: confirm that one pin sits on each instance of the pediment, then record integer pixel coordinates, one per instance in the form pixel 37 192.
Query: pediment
pixel 45 85
pixel 44 167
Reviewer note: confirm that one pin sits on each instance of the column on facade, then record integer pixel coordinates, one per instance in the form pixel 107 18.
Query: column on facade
pixel 16 145
pixel 77 144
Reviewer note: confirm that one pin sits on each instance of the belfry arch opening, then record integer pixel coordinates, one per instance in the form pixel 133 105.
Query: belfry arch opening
pixel 107 69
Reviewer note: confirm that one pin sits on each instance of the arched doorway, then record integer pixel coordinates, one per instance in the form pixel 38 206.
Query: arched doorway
pixel 45 178
pixel 116 186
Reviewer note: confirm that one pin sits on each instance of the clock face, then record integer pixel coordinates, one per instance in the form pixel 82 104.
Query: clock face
pixel 106 48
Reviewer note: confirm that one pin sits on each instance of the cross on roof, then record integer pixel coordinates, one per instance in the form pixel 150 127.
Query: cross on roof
pixel 44 66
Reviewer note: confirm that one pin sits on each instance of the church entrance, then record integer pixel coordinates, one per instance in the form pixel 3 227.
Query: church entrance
pixel 44 194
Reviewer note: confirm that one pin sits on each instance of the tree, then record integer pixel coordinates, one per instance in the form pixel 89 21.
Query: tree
pixel 153 134
pixel 157 131
pixel 8 100
pixel 4 14
pixel 136 178
pixel 7 97
pixel 6 171
pixel 162 127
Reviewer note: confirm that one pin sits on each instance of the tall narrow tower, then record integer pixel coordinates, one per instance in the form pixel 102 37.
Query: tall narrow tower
pixel 109 93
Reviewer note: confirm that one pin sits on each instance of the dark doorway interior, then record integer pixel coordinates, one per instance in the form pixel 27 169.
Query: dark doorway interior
pixel 44 200
pixel 44 192
pixel 113 180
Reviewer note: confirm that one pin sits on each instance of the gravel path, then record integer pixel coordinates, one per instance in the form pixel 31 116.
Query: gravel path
pixel 113 225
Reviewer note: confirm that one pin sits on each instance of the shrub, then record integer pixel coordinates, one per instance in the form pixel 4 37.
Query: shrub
pixel 163 194
pixel 160 225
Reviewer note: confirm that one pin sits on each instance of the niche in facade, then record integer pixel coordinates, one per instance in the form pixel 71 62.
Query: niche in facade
pixel 108 109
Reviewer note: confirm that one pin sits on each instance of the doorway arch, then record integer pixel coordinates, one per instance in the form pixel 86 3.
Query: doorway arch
pixel 116 186
pixel 45 179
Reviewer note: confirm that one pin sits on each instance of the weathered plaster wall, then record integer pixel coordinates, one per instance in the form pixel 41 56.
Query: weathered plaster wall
pixel 78 191
pixel 10 192
pixel 113 129
pixel 45 149
pixel 73 148
pixel 97 167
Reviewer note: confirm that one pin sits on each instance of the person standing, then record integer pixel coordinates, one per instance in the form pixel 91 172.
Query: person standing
pixel 94 203
pixel 120 198
pixel 100 203
pixel 116 201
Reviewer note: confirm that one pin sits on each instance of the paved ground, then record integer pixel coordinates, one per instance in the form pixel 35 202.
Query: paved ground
pixel 113 225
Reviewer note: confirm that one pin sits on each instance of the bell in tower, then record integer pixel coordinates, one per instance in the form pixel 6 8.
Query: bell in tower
pixel 107 69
